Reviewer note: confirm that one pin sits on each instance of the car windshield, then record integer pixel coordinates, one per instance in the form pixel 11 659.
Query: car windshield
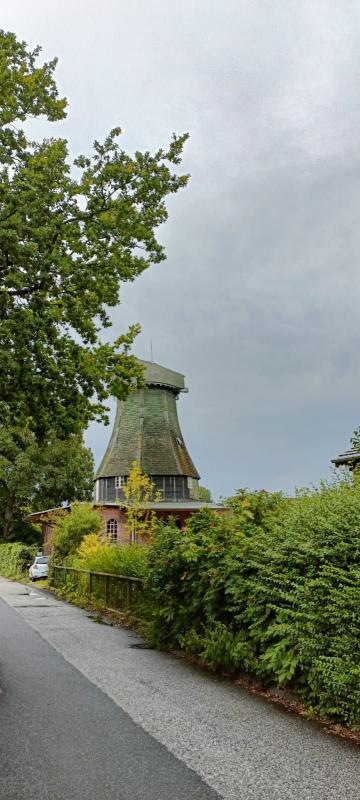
pixel 41 560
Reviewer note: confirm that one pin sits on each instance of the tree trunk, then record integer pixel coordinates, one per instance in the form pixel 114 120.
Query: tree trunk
pixel 8 517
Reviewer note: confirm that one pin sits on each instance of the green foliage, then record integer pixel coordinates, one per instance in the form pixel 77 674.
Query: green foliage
pixel 27 533
pixel 138 491
pixel 188 574
pixel 124 559
pixel 255 511
pixel 283 605
pixel 15 558
pixel 68 240
pixel 26 90
pixel 355 439
pixel 95 556
pixel 204 494
pixel 71 527
pixel 36 475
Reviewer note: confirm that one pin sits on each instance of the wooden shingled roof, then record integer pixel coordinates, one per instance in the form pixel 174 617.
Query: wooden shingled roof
pixel 147 429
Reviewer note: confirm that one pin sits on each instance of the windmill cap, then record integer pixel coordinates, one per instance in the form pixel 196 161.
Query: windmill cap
pixel 156 375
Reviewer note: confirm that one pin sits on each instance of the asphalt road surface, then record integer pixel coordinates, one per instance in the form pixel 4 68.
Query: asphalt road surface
pixel 86 716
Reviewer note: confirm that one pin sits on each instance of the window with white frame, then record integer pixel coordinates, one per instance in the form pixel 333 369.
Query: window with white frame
pixel 112 529
pixel 118 482
pixel 190 483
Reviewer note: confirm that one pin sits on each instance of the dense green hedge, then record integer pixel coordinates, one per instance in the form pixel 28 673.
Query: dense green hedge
pixel 14 559
pixel 282 605
pixel 272 590
pixel 125 559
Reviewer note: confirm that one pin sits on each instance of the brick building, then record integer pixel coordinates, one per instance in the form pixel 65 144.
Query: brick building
pixel 146 430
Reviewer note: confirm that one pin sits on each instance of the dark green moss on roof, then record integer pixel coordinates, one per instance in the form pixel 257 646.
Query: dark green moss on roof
pixel 147 429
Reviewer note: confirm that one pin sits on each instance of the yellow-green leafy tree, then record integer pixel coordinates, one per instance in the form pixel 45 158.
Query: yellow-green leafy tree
pixel 139 491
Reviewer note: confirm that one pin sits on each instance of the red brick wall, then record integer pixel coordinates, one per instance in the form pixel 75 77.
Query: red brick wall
pixel 114 512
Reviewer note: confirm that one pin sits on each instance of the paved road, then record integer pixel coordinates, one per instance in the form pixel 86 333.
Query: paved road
pixel 63 739
pixel 85 715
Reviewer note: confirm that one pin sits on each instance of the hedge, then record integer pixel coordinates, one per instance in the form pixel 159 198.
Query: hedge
pixel 14 559
pixel 282 605
pixel 271 590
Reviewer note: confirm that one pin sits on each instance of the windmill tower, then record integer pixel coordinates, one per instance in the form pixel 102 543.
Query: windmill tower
pixel 147 430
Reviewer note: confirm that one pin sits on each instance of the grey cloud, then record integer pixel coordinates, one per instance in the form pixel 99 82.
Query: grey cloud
pixel 258 301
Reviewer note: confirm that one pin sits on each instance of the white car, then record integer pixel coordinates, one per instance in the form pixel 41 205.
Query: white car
pixel 39 568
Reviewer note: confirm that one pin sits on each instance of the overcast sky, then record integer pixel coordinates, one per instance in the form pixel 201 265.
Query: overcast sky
pixel 258 301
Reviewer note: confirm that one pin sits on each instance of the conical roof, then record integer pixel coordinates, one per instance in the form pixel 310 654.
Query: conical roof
pixel 156 375
pixel 147 429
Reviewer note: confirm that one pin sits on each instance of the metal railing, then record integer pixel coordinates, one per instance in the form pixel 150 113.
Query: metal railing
pixel 118 592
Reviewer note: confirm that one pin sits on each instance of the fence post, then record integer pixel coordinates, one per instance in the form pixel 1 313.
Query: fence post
pixel 90 583
pixel 106 590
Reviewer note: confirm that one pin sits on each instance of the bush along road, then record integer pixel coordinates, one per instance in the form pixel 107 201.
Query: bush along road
pixel 274 595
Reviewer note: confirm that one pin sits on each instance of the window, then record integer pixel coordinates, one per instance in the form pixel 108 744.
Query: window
pixel 118 482
pixel 190 483
pixel 111 529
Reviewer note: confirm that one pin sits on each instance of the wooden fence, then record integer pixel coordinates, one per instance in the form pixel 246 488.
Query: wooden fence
pixel 119 592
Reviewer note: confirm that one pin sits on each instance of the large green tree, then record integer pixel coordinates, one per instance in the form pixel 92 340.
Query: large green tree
pixel 36 475
pixel 70 234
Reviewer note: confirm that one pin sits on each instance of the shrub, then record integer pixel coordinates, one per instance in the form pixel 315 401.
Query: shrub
pixel 71 527
pixel 14 559
pixel 256 510
pixel 188 574
pixel 124 559
pixel 282 605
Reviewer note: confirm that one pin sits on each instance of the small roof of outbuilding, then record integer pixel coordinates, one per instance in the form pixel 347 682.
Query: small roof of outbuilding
pixel 349 459
pixel 45 511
